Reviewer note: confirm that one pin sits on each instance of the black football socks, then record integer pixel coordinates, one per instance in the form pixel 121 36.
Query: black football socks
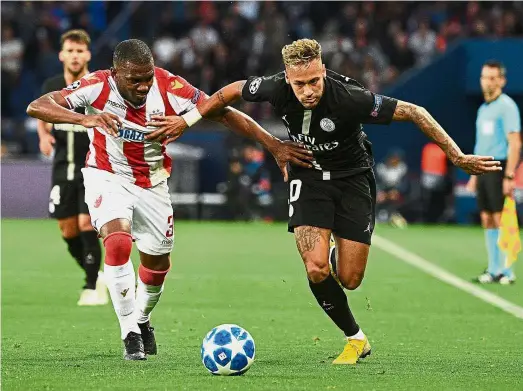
pixel 75 248
pixel 332 299
pixel 92 257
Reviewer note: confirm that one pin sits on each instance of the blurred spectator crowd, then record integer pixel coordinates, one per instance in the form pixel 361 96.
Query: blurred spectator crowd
pixel 213 43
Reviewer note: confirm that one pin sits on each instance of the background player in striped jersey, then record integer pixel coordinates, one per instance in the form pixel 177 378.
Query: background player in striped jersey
pixel 70 144
pixel 126 175
pixel 337 195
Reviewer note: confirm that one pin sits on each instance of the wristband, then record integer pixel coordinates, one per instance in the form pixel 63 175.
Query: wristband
pixel 192 116
pixel 509 176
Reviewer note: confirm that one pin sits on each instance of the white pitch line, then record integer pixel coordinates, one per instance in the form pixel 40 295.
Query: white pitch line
pixel 443 275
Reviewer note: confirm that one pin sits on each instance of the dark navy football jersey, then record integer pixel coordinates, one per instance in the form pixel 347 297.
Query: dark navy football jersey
pixel 333 130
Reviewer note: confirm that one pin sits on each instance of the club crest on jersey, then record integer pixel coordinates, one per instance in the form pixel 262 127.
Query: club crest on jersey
pixel 73 86
pixel 255 84
pixel 98 202
pixel 131 135
pixel 154 112
pixel 327 125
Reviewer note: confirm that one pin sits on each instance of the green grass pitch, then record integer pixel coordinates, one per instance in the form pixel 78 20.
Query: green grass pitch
pixel 425 334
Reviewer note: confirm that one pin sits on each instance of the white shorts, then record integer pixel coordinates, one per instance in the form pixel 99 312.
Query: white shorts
pixel 149 211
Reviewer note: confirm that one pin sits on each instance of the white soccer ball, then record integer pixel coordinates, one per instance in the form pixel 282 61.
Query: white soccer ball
pixel 227 350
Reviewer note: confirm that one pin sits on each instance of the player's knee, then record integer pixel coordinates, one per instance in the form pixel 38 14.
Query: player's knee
pixel 317 271
pixel 118 246
pixel 487 220
pixel 351 281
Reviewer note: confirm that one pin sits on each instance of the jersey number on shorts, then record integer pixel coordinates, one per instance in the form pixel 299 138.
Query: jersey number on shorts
pixel 170 230
pixel 294 194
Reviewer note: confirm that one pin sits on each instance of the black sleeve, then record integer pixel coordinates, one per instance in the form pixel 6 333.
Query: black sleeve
pixel 261 89
pixel 372 108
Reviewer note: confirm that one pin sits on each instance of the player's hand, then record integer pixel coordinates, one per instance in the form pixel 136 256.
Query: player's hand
pixel 169 128
pixel 475 165
pixel 472 184
pixel 110 123
pixel 47 144
pixel 508 187
pixel 290 152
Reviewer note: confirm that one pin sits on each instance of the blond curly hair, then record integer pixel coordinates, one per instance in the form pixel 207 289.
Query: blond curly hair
pixel 301 52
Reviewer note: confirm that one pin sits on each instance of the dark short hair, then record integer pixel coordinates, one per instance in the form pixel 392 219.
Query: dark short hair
pixel 496 64
pixel 79 36
pixel 133 51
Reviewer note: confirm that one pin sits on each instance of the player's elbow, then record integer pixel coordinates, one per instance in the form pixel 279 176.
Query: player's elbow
pixel 33 108
pixel 420 112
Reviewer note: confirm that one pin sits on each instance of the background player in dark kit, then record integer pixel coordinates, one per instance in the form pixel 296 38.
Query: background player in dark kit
pixel 71 144
pixel 336 195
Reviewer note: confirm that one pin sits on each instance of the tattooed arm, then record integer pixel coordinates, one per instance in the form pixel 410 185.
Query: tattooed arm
pixel 472 164
pixel 221 99
pixel 421 117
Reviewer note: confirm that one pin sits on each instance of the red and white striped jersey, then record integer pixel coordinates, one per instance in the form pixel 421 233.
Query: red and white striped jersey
pixel 141 162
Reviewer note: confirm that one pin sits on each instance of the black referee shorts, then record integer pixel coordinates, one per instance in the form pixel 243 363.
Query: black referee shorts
pixel 345 205
pixel 67 199
pixel 489 191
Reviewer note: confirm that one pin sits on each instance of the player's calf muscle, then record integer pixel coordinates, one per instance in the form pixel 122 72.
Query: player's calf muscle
pixel 352 262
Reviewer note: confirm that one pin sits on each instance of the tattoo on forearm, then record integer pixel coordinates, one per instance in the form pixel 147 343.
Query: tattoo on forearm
pixel 422 118
pixel 221 97
pixel 306 238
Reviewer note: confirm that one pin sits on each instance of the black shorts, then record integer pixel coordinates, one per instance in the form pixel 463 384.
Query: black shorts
pixel 489 191
pixel 345 205
pixel 67 199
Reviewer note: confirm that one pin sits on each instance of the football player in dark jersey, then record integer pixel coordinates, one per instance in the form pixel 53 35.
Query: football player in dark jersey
pixel 337 195
pixel 70 144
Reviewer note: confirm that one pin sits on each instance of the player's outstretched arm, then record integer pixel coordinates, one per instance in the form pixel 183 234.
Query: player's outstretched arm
pixel 221 99
pixel 472 164
pixel 172 127
pixel 216 108
pixel 283 151
pixel 53 108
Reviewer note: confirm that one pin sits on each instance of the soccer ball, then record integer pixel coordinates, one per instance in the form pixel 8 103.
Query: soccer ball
pixel 227 350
